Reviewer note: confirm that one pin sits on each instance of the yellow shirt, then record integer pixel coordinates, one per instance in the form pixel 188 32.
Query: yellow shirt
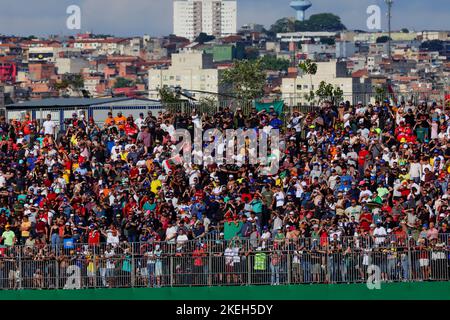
pixel 124 156
pixel 154 186
pixel 27 226
pixel 75 166
pixel 66 176
pixel 74 140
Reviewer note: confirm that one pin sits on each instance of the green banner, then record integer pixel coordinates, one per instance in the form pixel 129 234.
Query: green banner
pixel 276 105
pixel 230 229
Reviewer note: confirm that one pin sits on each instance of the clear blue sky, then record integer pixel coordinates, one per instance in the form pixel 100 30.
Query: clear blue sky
pixel 154 17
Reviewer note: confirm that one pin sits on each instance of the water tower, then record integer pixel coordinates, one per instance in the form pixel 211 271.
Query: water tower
pixel 300 6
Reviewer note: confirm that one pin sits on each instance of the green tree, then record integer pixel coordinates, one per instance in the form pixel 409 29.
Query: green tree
pixel 327 91
pixel 383 39
pixel 75 81
pixel 70 81
pixel 123 83
pixel 380 93
pixel 63 85
pixel 168 96
pixel 273 63
pixel 320 22
pixel 283 25
pixel 247 79
pixel 207 104
pixel 405 30
pixel 310 96
pixel 316 22
pixel 308 67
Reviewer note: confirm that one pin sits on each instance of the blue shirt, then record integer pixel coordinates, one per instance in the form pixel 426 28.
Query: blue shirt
pixel 31 161
pixel 276 123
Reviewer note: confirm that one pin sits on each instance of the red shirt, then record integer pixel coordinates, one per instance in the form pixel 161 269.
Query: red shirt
pixel 362 156
pixel 134 172
pixel 365 224
pixel 51 196
pixel 26 127
pixel 199 194
pixel 40 227
pixel 246 196
pixel 128 208
pixel 198 254
pixel 130 129
pixel 94 237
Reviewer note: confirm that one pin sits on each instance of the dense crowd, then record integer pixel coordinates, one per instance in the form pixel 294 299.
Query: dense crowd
pixel 376 171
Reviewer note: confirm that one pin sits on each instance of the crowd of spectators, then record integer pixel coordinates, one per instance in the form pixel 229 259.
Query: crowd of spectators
pixel 377 172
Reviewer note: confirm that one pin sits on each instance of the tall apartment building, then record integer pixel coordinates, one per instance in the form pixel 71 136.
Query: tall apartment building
pixel 293 89
pixel 190 71
pixel 213 17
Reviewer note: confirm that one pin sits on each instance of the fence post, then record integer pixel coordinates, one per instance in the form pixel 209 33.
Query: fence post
pixel 327 266
pixel 249 268
pixel 288 262
pixel 20 269
pixel 133 267
pixel 410 274
pixel 171 270
pixel 57 268
pixel 209 275
pixel 94 261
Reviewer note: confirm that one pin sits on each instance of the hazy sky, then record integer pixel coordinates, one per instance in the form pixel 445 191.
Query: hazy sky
pixel 154 17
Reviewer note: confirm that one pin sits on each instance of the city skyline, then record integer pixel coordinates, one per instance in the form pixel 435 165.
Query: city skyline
pixel 154 17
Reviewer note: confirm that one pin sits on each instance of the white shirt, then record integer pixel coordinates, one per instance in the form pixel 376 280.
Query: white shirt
pixel 114 240
pixel 279 196
pixel 49 127
pixel 379 233
pixel 2 181
pixel 139 122
pixel 277 223
pixel 182 238
pixel 229 256
pixel 109 262
pixel 168 128
pixel 194 174
pixel 170 232
pixel 415 170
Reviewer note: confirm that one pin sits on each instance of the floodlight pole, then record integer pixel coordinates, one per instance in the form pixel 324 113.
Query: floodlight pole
pixel 389 3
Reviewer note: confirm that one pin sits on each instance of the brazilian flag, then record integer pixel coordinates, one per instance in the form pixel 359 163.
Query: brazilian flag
pixel 276 105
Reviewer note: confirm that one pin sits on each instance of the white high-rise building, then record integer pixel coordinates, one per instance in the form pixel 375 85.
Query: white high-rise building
pixel 213 17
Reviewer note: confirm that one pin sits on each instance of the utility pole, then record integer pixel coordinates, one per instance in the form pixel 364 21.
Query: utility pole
pixel 389 3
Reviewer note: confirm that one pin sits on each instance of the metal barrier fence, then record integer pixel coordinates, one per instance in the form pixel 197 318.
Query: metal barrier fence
pixel 231 268
pixel 214 243
pixel 296 100
pixel 225 263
